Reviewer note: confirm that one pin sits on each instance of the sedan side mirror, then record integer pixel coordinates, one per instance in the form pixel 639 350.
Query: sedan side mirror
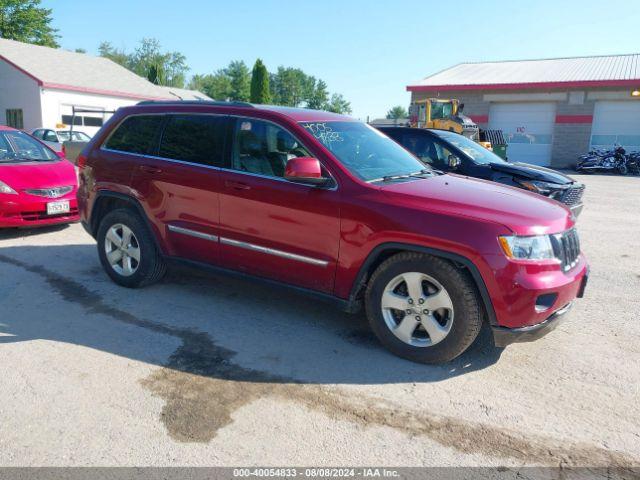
pixel 453 162
pixel 305 170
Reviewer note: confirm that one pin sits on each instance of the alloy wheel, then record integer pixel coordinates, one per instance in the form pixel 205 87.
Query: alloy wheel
pixel 417 309
pixel 122 250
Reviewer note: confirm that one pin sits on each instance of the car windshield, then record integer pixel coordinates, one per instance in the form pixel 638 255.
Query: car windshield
pixel 476 152
pixel 366 152
pixel 65 135
pixel 18 146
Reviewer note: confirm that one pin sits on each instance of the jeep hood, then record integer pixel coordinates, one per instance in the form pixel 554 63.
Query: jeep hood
pixel 533 172
pixel 522 212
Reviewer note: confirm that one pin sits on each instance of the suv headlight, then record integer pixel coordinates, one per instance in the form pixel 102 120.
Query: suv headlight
pixel 537 247
pixel 543 188
pixel 4 188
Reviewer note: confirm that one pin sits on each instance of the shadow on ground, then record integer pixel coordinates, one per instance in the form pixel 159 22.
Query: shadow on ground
pixel 234 342
pixel 261 323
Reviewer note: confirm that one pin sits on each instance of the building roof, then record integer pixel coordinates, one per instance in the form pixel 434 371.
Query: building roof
pixel 599 71
pixel 184 94
pixel 60 69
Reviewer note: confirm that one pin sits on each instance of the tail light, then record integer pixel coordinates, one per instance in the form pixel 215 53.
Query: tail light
pixel 64 150
pixel 82 161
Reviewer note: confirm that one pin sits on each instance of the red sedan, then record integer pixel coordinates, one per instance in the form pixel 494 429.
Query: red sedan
pixel 37 187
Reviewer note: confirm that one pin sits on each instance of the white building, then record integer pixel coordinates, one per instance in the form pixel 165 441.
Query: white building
pixel 39 86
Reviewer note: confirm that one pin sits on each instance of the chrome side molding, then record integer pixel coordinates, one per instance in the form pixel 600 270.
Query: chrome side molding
pixel 192 233
pixel 273 251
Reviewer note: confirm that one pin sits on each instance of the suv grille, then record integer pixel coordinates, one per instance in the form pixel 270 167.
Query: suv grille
pixel 567 248
pixel 54 192
pixel 573 195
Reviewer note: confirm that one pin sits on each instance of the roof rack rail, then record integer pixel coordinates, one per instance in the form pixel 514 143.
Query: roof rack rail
pixel 196 102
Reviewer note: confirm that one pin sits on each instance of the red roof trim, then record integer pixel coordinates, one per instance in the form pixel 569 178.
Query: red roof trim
pixel 519 86
pixel 97 91
pixel 21 70
pixel 574 118
pixel 480 118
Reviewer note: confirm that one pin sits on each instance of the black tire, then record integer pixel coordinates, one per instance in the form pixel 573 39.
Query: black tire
pixel 467 319
pixel 622 169
pixel 151 267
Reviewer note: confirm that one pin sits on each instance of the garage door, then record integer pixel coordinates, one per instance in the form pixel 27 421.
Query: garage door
pixel 616 122
pixel 528 129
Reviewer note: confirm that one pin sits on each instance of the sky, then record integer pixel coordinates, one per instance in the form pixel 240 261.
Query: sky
pixel 369 51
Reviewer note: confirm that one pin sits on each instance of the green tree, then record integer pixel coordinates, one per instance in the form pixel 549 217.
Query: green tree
pixel 397 112
pixel 239 79
pixel 149 61
pixel 155 75
pixel 26 21
pixel 260 92
pixel 320 96
pixel 291 87
pixel 109 51
pixel 216 86
pixel 338 104
pixel 171 67
pixel 80 50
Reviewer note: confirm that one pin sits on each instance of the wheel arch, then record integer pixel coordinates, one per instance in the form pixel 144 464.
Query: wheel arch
pixel 386 250
pixel 107 201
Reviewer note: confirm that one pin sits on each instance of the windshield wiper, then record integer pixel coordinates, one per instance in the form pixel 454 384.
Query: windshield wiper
pixel 400 176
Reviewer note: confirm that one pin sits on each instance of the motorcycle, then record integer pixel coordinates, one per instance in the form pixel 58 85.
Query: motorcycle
pixel 633 163
pixel 600 160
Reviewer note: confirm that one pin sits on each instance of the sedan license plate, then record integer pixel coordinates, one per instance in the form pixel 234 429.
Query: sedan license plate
pixel 56 208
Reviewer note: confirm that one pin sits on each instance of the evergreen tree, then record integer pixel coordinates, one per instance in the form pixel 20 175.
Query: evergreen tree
pixel 260 92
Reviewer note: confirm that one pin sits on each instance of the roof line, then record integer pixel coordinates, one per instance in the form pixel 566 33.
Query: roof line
pixel 514 86
pixel 21 70
pixel 97 91
pixel 545 59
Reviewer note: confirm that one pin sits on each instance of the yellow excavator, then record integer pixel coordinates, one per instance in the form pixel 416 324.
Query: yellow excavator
pixel 443 114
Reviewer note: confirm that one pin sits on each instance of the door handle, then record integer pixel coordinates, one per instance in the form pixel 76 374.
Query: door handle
pixel 237 185
pixel 150 169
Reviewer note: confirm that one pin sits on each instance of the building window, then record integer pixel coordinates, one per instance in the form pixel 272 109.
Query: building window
pixel 93 122
pixel 15 118
pixel 67 119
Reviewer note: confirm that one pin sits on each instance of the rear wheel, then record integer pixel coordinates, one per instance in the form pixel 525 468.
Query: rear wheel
pixel 423 308
pixel 127 251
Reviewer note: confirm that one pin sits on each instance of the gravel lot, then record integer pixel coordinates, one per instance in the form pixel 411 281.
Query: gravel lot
pixel 208 370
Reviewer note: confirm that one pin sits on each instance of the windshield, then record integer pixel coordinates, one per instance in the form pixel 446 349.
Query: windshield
pixel 441 109
pixel 75 136
pixel 18 146
pixel 478 153
pixel 366 152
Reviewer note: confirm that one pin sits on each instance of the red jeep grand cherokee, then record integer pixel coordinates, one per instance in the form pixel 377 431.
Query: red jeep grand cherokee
pixel 329 205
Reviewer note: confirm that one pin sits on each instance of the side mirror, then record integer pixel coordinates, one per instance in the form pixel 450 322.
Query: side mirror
pixel 453 162
pixel 60 154
pixel 305 170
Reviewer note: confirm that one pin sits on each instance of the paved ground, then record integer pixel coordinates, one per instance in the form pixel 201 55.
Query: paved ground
pixel 207 370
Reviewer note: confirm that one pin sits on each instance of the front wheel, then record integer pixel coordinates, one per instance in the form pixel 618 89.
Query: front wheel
pixel 423 308
pixel 127 251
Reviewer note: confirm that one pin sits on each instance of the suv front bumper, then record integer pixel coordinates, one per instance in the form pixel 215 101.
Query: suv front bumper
pixel 503 336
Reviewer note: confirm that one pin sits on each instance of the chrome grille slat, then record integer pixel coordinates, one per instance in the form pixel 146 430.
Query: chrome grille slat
pixel 573 195
pixel 567 248
pixel 53 192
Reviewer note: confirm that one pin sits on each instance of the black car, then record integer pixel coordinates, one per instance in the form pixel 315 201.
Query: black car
pixel 451 152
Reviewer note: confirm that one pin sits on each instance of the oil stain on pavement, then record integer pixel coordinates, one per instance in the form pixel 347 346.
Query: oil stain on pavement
pixel 202 387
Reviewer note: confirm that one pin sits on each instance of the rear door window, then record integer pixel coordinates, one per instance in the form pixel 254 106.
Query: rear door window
pixel 50 136
pixel 137 134
pixel 194 138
